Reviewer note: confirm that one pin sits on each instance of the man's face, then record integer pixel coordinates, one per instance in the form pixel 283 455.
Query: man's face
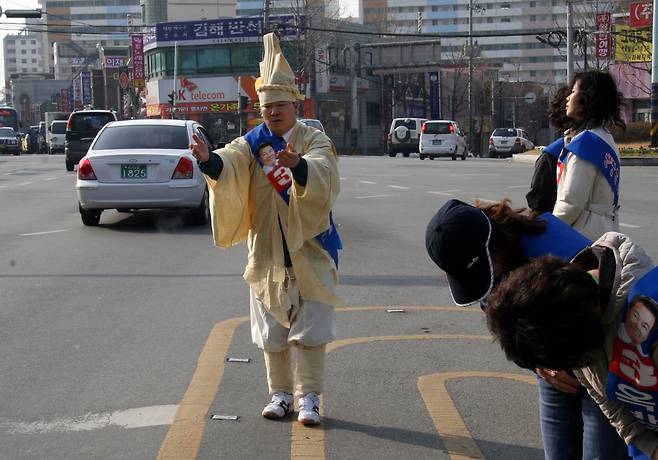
pixel 639 323
pixel 267 155
pixel 279 117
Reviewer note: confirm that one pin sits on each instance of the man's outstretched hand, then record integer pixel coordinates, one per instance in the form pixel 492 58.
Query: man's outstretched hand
pixel 199 149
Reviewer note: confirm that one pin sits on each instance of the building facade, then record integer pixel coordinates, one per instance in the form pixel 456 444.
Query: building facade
pixel 23 54
pixel 154 11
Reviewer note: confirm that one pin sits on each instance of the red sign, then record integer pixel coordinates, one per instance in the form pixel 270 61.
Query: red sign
pixel 603 35
pixel 64 100
pixel 123 80
pixel 641 14
pixel 137 50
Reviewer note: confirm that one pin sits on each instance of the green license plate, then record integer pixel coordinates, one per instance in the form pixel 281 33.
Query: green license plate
pixel 133 171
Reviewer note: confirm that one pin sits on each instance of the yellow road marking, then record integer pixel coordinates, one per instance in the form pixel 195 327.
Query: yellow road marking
pixel 186 432
pixel 447 420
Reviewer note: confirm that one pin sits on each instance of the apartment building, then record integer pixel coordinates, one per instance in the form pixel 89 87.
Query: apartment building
pixel 504 31
pixel 23 55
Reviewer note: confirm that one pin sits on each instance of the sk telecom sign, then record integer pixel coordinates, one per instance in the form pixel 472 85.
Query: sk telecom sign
pixel 641 14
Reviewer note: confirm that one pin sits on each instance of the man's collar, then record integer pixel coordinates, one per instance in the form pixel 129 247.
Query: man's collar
pixel 287 134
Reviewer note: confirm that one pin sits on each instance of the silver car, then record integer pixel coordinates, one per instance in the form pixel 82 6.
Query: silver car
pixel 143 164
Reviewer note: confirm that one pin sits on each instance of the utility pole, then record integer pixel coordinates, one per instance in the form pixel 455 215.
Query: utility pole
pixel 654 77
pixel 173 107
pixel 470 75
pixel 569 41
pixel 354 117
pixel 266 16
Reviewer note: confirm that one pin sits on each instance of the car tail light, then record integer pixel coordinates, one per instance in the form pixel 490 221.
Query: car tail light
pixel 491 142
pixel 388 137
pixel 452 129
pixel 184 169
pixel 69 124
pixel 423 129
pixel 518 140
pixel 85 171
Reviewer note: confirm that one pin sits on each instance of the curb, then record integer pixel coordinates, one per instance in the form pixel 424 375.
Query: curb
pixel 625 161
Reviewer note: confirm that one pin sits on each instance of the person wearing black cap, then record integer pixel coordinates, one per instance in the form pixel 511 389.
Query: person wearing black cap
pixel 479 245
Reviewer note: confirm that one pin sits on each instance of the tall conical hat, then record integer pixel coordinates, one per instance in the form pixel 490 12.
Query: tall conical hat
pixel 277 80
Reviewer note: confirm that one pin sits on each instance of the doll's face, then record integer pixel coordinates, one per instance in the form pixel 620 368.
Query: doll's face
pixel 639 322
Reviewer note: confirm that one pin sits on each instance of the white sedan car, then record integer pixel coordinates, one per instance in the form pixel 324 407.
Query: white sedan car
pixel 143 164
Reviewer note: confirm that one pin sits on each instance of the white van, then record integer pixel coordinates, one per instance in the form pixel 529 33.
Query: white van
pixel 442 138
pixel 56 136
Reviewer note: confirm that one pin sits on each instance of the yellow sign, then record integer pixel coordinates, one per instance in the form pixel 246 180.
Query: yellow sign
pixel 632 45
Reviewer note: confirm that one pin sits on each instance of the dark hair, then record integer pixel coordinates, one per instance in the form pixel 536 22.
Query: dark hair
pixel 508 225
pixel 557 109
pixel 545 314
pixel 649 303
pixel 600 100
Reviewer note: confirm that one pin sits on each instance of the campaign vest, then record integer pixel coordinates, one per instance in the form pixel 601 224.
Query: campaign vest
pixel 281 180
pixel 555 148
pixel 632 373
pixel 559 240
pixel 592 148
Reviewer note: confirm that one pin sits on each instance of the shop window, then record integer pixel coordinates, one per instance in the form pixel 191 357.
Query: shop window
pixel 213 59
pixel 246 57
pixel 187 60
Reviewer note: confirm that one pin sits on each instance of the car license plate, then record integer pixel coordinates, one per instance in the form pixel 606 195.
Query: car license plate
pixel 503 142
pixel 436 142
pixel 133 171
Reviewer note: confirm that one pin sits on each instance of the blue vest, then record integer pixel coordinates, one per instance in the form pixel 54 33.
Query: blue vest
pixel 329 239
pixel 592 148
pixel 559 240
pixel 555 148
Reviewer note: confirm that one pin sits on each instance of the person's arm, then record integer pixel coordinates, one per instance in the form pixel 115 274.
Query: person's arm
pixel 212 167
pixel 575 193
pixel 543 186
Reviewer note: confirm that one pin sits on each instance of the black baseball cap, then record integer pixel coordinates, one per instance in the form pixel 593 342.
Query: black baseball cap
pixel 457 240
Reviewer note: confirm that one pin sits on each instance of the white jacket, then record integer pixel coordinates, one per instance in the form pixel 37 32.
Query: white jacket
pixel 584 197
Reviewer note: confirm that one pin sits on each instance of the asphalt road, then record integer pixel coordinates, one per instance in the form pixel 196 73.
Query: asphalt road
pixel 114 337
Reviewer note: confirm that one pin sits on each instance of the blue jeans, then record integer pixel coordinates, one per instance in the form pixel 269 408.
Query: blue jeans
pixel 573 427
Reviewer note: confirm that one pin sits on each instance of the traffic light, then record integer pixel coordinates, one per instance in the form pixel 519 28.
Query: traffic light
pixel 22 13
pixel 244 101
pixel 171 98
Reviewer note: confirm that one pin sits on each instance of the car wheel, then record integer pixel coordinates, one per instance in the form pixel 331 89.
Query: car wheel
pixel 90 217
pixel 392 154
pixel 201 215
pixel 432 157
pixel 422 157
pixel 69 166
pixel 406 155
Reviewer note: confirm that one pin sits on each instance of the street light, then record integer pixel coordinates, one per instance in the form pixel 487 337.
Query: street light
pixel 471 55
pixel 22 13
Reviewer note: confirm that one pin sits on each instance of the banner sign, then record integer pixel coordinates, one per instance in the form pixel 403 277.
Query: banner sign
pixel 86 87
pixel 641 14
pixel 231 30
pixel 321 70
pixel 113 62
pixel 632 45
pixel 137 50
pixel 603 37
pixel 64 100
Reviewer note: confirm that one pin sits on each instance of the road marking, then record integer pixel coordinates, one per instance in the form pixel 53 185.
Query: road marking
pixel 186 431
pixel 24 183
pixel 518 186
pixel 398 187
pixel 370 196
pixel 50 178
pixel 131 418
pixel 448 422
pixel 622 224
pixel 42 233
pixel 367 182
pixel 444 193
pixel 3 186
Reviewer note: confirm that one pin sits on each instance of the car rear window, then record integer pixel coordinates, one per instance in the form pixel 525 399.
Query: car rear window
pixel 90 122
pixel 437 128
pixel 142 137
pixel 58 128
pixel 7 132
pixel 409 124
pixel 504 132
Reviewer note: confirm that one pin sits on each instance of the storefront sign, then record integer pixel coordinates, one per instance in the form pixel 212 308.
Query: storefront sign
pixel 137 53
pixel 641 14
pixel 322 70
pixel 232 30
pixel 632 45
pixel 114 62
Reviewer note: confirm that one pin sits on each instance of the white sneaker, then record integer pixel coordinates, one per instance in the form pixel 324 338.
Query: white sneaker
pixel 280 406
pixel 309 409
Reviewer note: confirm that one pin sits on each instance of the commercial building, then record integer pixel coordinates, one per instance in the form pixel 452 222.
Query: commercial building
pixel 154 11
pixel 23 55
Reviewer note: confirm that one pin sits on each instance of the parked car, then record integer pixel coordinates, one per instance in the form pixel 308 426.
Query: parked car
pixel 442 138
pixel 403 136
pixel 81 130
pixel 9 141
pixel 143 164
pixel 504 142
pixel 57 137
pixel 313 123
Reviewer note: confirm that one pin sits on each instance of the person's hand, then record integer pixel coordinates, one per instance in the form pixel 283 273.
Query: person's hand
pixel 288 157
pixel 559 380
pixel 199 149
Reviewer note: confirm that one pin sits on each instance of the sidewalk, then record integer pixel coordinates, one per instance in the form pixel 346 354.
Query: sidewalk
pixel 625 161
